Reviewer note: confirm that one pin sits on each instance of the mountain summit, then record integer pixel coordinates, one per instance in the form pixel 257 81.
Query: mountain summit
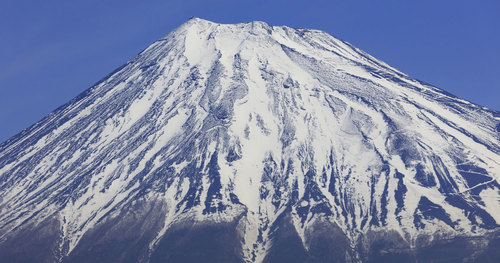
pixel 254 143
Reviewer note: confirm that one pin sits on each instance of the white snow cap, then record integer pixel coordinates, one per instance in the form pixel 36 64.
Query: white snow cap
pixel 213 120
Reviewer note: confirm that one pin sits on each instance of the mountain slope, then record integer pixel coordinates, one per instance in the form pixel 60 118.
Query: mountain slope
pixel 252 143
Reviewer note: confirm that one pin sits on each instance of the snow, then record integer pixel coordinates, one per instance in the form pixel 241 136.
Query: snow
pixel 307 97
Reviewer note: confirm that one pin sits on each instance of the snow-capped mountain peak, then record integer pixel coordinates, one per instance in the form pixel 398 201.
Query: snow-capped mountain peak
pixel 265 132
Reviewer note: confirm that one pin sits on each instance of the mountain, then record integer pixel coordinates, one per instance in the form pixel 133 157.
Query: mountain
pixel 254 143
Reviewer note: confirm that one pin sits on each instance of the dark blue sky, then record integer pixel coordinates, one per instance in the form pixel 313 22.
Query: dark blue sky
pixel 52 50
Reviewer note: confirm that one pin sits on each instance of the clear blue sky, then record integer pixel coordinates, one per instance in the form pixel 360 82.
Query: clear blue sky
pixel 52 50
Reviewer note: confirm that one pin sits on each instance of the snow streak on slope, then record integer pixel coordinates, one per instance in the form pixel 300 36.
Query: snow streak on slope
pixel 218 121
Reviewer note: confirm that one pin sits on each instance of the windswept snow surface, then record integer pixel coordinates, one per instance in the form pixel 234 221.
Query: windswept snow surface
pixel 222 121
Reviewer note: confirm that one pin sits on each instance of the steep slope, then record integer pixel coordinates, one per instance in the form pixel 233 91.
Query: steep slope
pixel 252 143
